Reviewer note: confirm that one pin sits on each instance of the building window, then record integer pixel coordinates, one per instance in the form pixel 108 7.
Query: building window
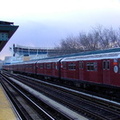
pixel 3 36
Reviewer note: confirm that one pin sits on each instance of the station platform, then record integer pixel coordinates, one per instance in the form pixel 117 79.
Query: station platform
pixel 6 108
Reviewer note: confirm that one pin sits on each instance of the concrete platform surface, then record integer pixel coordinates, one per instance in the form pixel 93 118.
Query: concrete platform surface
pixel 6 109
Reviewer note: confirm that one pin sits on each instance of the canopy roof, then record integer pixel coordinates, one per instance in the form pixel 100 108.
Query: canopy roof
pixel 8 29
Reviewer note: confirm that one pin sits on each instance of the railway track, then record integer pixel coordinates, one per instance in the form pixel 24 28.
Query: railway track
pixel 90 106
pixel 28 106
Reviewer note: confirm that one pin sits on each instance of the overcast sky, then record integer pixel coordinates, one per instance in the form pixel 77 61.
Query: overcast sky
pixel 43 23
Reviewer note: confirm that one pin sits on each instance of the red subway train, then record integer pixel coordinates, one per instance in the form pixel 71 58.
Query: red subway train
pixel 86 70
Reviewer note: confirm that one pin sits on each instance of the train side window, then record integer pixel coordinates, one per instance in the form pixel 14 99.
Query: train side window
pixel 41 66
pixel 53 65
pixel 108 65
pixel 104 65
pixel 45 65
pixel 56 66
pixel 91 66
pixel 119 66
pixel 88 67
pixel 64 65
pixel 71 66
pixel 95 66
pixel 48 66
pixel 80 65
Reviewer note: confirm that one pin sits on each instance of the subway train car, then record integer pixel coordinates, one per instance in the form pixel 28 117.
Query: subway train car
pixel 7 67
pixel 49 68
pixel 29 67
pixel 99 69
pixel 94 70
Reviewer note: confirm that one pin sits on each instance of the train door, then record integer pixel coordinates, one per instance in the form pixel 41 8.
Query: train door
pixel 54 68
pixel 81 68
pixel 106 71
pixel 35 68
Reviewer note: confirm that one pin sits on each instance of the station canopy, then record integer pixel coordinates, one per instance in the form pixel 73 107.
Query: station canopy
pixel 7 29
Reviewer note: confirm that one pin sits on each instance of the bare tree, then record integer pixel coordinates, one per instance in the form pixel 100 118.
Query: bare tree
pixel 89 41
pixel 98 38
pixel 117 43
pixel 70 45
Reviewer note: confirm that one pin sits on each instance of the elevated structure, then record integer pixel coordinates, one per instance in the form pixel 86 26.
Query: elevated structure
pixel 7 29
pixel 27 51
pixel 34 52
